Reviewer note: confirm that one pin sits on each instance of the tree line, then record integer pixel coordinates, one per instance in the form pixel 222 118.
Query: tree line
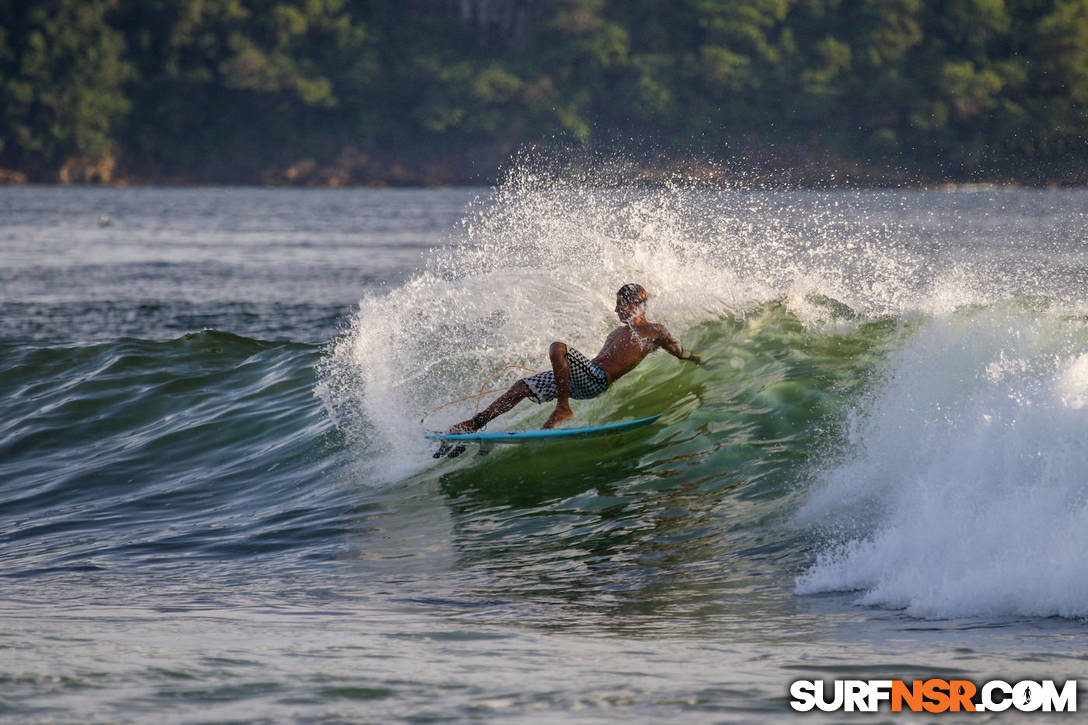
pixel 350 91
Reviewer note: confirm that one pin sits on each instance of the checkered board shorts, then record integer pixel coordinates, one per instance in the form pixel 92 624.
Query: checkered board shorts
pixel 586 380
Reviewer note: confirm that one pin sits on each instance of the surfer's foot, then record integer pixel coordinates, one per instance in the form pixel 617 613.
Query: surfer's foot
pixel 449 450
pixel 469 426
pixel 560 414
pixel 452 450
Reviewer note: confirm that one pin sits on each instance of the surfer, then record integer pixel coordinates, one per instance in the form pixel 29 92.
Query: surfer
pixel 573 376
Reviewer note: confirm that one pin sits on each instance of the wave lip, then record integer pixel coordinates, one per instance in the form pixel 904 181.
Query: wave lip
pixel 967 494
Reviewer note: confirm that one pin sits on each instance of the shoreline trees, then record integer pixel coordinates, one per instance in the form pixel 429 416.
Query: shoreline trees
pixel 418 91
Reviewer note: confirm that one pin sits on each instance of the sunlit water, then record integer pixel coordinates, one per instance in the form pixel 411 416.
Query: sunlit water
pixel 216 503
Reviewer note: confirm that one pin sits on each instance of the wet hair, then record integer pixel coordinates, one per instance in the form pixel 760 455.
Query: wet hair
pixel 632 293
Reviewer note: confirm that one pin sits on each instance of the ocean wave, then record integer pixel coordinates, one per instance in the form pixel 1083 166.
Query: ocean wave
pixel 965 491
pixel 797 297
pixel 152 446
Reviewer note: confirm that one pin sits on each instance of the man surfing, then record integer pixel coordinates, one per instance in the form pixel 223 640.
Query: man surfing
pixel 573 376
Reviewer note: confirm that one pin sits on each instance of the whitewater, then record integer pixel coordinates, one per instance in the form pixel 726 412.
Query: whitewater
pixel 216 501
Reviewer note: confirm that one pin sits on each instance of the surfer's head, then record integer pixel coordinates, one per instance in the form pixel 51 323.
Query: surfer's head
pixel 631 301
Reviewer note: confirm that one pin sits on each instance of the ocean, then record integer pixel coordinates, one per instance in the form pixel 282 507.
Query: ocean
pixel 217 504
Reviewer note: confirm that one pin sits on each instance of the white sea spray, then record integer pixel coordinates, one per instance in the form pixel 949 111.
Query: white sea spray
pixel 968 494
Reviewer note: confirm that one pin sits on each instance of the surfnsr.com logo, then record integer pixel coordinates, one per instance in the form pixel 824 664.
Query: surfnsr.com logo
pixel 933 696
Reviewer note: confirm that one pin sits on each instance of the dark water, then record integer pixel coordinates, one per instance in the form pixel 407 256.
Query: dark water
pixel 216 503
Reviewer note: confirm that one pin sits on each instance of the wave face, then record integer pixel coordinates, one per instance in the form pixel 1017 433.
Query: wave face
pixel 943 399
pixel 151 453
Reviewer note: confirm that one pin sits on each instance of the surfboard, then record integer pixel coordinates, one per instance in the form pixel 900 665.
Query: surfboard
pixel 526 436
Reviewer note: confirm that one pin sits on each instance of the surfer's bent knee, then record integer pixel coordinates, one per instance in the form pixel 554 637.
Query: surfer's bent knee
pixel 557 349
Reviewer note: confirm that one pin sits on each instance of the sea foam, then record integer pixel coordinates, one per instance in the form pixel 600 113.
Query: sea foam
pixel 966 489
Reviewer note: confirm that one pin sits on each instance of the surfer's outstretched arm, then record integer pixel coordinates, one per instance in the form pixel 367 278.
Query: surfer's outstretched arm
pixel 669 344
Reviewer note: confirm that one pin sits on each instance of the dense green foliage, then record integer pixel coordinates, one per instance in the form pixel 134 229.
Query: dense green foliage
pixel 288 90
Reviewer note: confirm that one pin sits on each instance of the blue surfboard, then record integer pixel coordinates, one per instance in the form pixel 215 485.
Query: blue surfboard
pixel 542 435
